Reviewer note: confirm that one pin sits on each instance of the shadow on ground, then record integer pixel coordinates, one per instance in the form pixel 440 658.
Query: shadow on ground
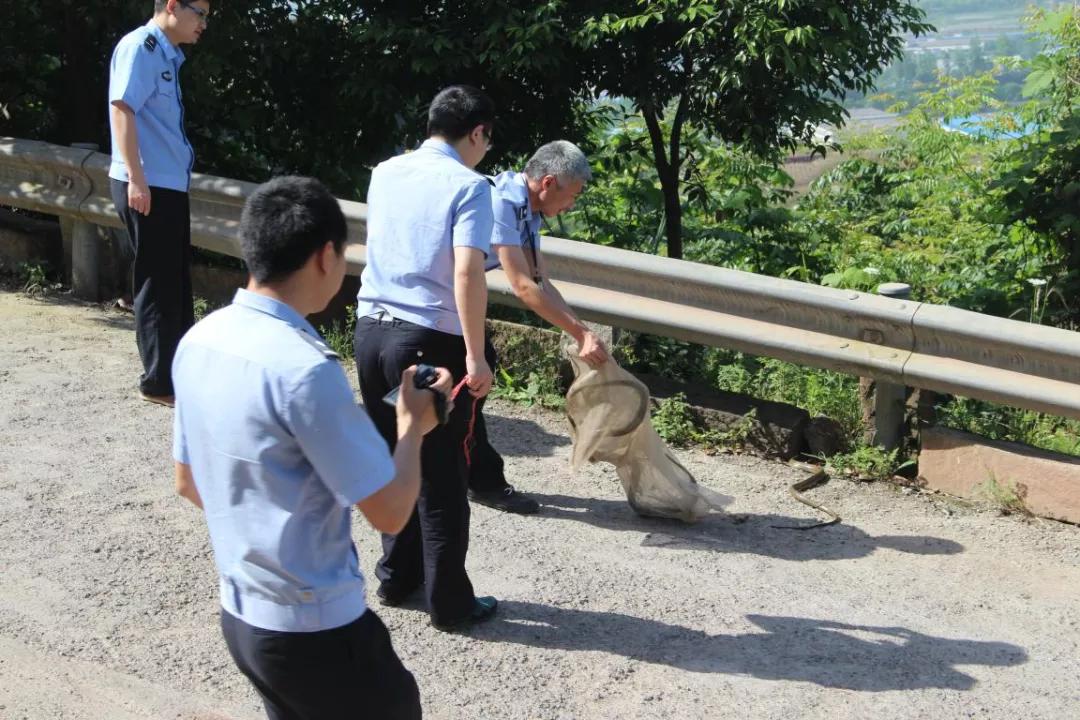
pixel 823 652
pixel 109 315
pixel 120 321
pixel 517 437
pixel 750 534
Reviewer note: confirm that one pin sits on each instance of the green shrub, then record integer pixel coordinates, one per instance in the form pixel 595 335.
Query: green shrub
pixel 819 392
pixel 339 334
pixel 1008 498
pixel 998 422
pixel 674 421
pixel 35 279
pixel 538 388
pixel 866 463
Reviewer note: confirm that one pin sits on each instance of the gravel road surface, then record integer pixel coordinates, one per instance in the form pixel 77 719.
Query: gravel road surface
pixel 915 607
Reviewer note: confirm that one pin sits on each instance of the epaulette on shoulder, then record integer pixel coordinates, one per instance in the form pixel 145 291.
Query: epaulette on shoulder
pixel 318 345
pixel 150 43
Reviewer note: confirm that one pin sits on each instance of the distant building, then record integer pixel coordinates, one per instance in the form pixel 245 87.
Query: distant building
pixel 988 127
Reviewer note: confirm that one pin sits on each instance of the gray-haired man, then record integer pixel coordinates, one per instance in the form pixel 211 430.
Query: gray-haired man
pixel 552 179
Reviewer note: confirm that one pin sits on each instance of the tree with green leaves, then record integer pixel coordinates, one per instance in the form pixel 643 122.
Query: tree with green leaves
pixel 55 60
pixel 760 74
pixel 330 87
pixel 1040 181
pixel 315 87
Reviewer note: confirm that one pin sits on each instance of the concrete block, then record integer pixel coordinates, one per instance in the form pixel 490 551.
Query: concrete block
pixel 965 465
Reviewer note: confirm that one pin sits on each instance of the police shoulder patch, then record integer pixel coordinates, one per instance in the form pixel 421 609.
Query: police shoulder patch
pixel 150 43
pixel 318 345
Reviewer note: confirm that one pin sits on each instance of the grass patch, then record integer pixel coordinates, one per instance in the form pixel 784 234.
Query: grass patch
pixel 674 421
pixel 819 392
pixel 537 388
pixel 998 422
pixel 36 279
pixel 866 463
pixel 677 423
pixel 1008 498
pixel 339 334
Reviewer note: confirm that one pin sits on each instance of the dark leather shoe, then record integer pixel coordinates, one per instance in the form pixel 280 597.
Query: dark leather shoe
pixel 506 499
pixel 392 597
pixel 483 609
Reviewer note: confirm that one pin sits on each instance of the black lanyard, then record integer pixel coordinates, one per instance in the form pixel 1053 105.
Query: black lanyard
pixel 529 243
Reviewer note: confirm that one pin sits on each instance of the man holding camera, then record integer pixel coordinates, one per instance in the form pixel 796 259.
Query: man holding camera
pixel 270 443
pixel 550 182
pixel 423 296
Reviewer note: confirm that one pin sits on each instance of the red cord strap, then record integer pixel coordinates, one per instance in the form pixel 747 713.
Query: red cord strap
pixel 466 446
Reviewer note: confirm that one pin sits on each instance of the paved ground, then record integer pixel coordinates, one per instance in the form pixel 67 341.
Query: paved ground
pixel 914 607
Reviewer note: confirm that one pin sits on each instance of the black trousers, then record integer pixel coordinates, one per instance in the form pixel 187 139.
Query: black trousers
pixel 347 673
pixel 485 469
pixel 431 548
pixel 164 307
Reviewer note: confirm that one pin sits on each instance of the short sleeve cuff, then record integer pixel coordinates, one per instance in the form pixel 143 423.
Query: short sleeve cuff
pixel 505 235
pixel 377 475
pixel 180 449
pixel 130 78
pixel 337 437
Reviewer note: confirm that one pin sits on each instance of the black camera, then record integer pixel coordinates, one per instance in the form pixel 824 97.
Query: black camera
pixel 425 377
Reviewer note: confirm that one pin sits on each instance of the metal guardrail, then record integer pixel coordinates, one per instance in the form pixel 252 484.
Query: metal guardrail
pixel 898 341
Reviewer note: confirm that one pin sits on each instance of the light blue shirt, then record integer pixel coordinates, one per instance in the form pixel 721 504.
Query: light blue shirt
pixel 145 74
pixel 422 205
pixel 280 452
pixel 515 220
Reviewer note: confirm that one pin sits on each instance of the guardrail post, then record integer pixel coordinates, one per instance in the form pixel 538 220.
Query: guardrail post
pixel 85 259
pixel 884 402
pixel 608 334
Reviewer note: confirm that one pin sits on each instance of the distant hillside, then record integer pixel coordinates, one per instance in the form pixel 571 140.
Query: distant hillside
pixel 980 16
pixel 970 35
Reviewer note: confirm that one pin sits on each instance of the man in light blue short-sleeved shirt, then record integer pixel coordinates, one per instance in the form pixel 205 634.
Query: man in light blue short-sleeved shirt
pixel 144 76
pixel 552 179
pixel 259 364
pixel 423 294
pixel 549 184
pixel 422 205
pixel 149 178
pixel 270 443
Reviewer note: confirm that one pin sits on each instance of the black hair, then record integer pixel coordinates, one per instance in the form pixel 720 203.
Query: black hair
pixel 159 5
pixel 458 109
pixel 284 222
